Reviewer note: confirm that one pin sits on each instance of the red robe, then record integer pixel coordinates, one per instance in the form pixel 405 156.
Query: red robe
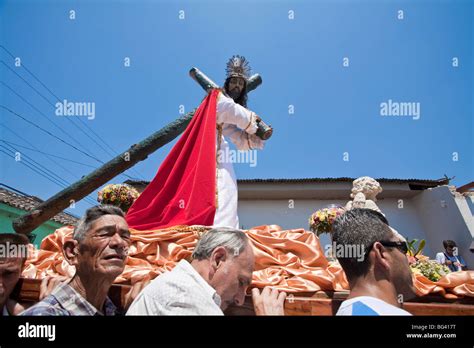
pixel 183 191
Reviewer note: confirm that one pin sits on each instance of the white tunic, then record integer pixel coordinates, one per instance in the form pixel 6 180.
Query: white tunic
pixel 239 125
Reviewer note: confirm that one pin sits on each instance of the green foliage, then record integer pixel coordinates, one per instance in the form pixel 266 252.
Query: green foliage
pixel 413 248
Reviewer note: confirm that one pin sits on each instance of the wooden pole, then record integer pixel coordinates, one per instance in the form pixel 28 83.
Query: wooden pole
pixel 43 212
pixel 80 189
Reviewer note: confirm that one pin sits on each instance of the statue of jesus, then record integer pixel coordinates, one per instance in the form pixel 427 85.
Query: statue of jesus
pixel 239 125
pixel 195 185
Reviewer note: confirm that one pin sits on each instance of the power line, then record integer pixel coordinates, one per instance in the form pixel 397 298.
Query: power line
pixel 57 180
pixel 49 133
pixel 42 114
pixel 49 154
pixel 29 163
pixel 53 176
pixel 36 149
pixel 39 171
pixel 114 153
pixel 28 70
pixel 54 125
pixel 36 171
pixel 21 77
pixel 26 164
pixel 28 142
pixel 58 99
pixel 14 189
pixel 34 146
pixel 39 165
pixel 49 102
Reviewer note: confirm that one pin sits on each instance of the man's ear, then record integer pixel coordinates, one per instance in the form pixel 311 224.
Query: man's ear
pixel 218 256
pixel 70 251
pixel 381 257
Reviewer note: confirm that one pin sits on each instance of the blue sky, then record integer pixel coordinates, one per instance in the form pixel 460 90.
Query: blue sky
pixel 336 108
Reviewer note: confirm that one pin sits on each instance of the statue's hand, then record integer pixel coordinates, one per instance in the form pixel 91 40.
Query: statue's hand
pixel 270 131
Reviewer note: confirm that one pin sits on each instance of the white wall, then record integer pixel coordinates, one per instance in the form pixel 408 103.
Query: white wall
pixel 267 212
pixel 445 222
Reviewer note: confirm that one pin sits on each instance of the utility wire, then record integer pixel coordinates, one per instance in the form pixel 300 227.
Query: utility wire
pixel 39 171
pixel 114 153
pixel 44 116
pixel 48 154
pixel 49 102
pixel 34 146
pixel 57 163
pixel 53 176
pixel 49 133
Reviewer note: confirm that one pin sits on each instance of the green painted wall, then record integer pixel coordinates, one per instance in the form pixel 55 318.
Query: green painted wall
pixel 8 214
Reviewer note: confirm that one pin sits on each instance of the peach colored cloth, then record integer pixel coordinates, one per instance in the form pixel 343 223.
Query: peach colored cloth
pixel 453 285
pixel 290 260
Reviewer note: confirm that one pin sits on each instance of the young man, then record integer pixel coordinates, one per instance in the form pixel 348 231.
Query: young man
pixel 450 257
pixel 380 279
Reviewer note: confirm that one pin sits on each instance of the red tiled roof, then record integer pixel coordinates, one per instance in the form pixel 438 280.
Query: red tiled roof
pixel 28 203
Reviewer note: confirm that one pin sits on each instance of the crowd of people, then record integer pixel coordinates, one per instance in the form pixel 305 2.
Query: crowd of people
pixel 218 275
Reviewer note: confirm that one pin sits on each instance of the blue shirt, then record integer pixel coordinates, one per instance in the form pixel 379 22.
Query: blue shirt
pixel 454 259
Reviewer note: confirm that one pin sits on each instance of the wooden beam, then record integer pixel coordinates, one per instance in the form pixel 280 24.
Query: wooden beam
pixel 321 303
pixel 138 152
pixel 81 188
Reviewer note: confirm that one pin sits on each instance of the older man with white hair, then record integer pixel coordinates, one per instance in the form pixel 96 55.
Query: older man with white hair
pixel 218 276
pixel 98 250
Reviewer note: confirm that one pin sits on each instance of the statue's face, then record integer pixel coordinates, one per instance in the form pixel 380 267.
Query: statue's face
pixel 236 86
pixel 368 186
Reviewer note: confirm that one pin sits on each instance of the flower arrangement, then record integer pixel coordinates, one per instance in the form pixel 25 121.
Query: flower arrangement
pixel 322 220
pixel 421 264
pixel 120 195
pixel 430 269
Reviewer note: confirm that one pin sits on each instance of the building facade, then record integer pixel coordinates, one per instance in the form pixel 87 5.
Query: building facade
pixel 416 208
pixel 14 203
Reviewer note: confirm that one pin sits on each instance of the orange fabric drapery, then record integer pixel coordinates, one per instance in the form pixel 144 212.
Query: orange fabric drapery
pixel 290 260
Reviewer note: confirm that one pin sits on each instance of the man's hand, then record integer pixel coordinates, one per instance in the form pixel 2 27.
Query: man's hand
pixel 269 302
pixel 48 284
pixel 459 265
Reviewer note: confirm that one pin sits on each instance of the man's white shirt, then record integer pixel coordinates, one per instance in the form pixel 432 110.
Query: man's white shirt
pixel 181 291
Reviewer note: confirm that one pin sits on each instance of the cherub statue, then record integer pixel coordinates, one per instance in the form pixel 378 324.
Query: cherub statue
pixel 364 192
